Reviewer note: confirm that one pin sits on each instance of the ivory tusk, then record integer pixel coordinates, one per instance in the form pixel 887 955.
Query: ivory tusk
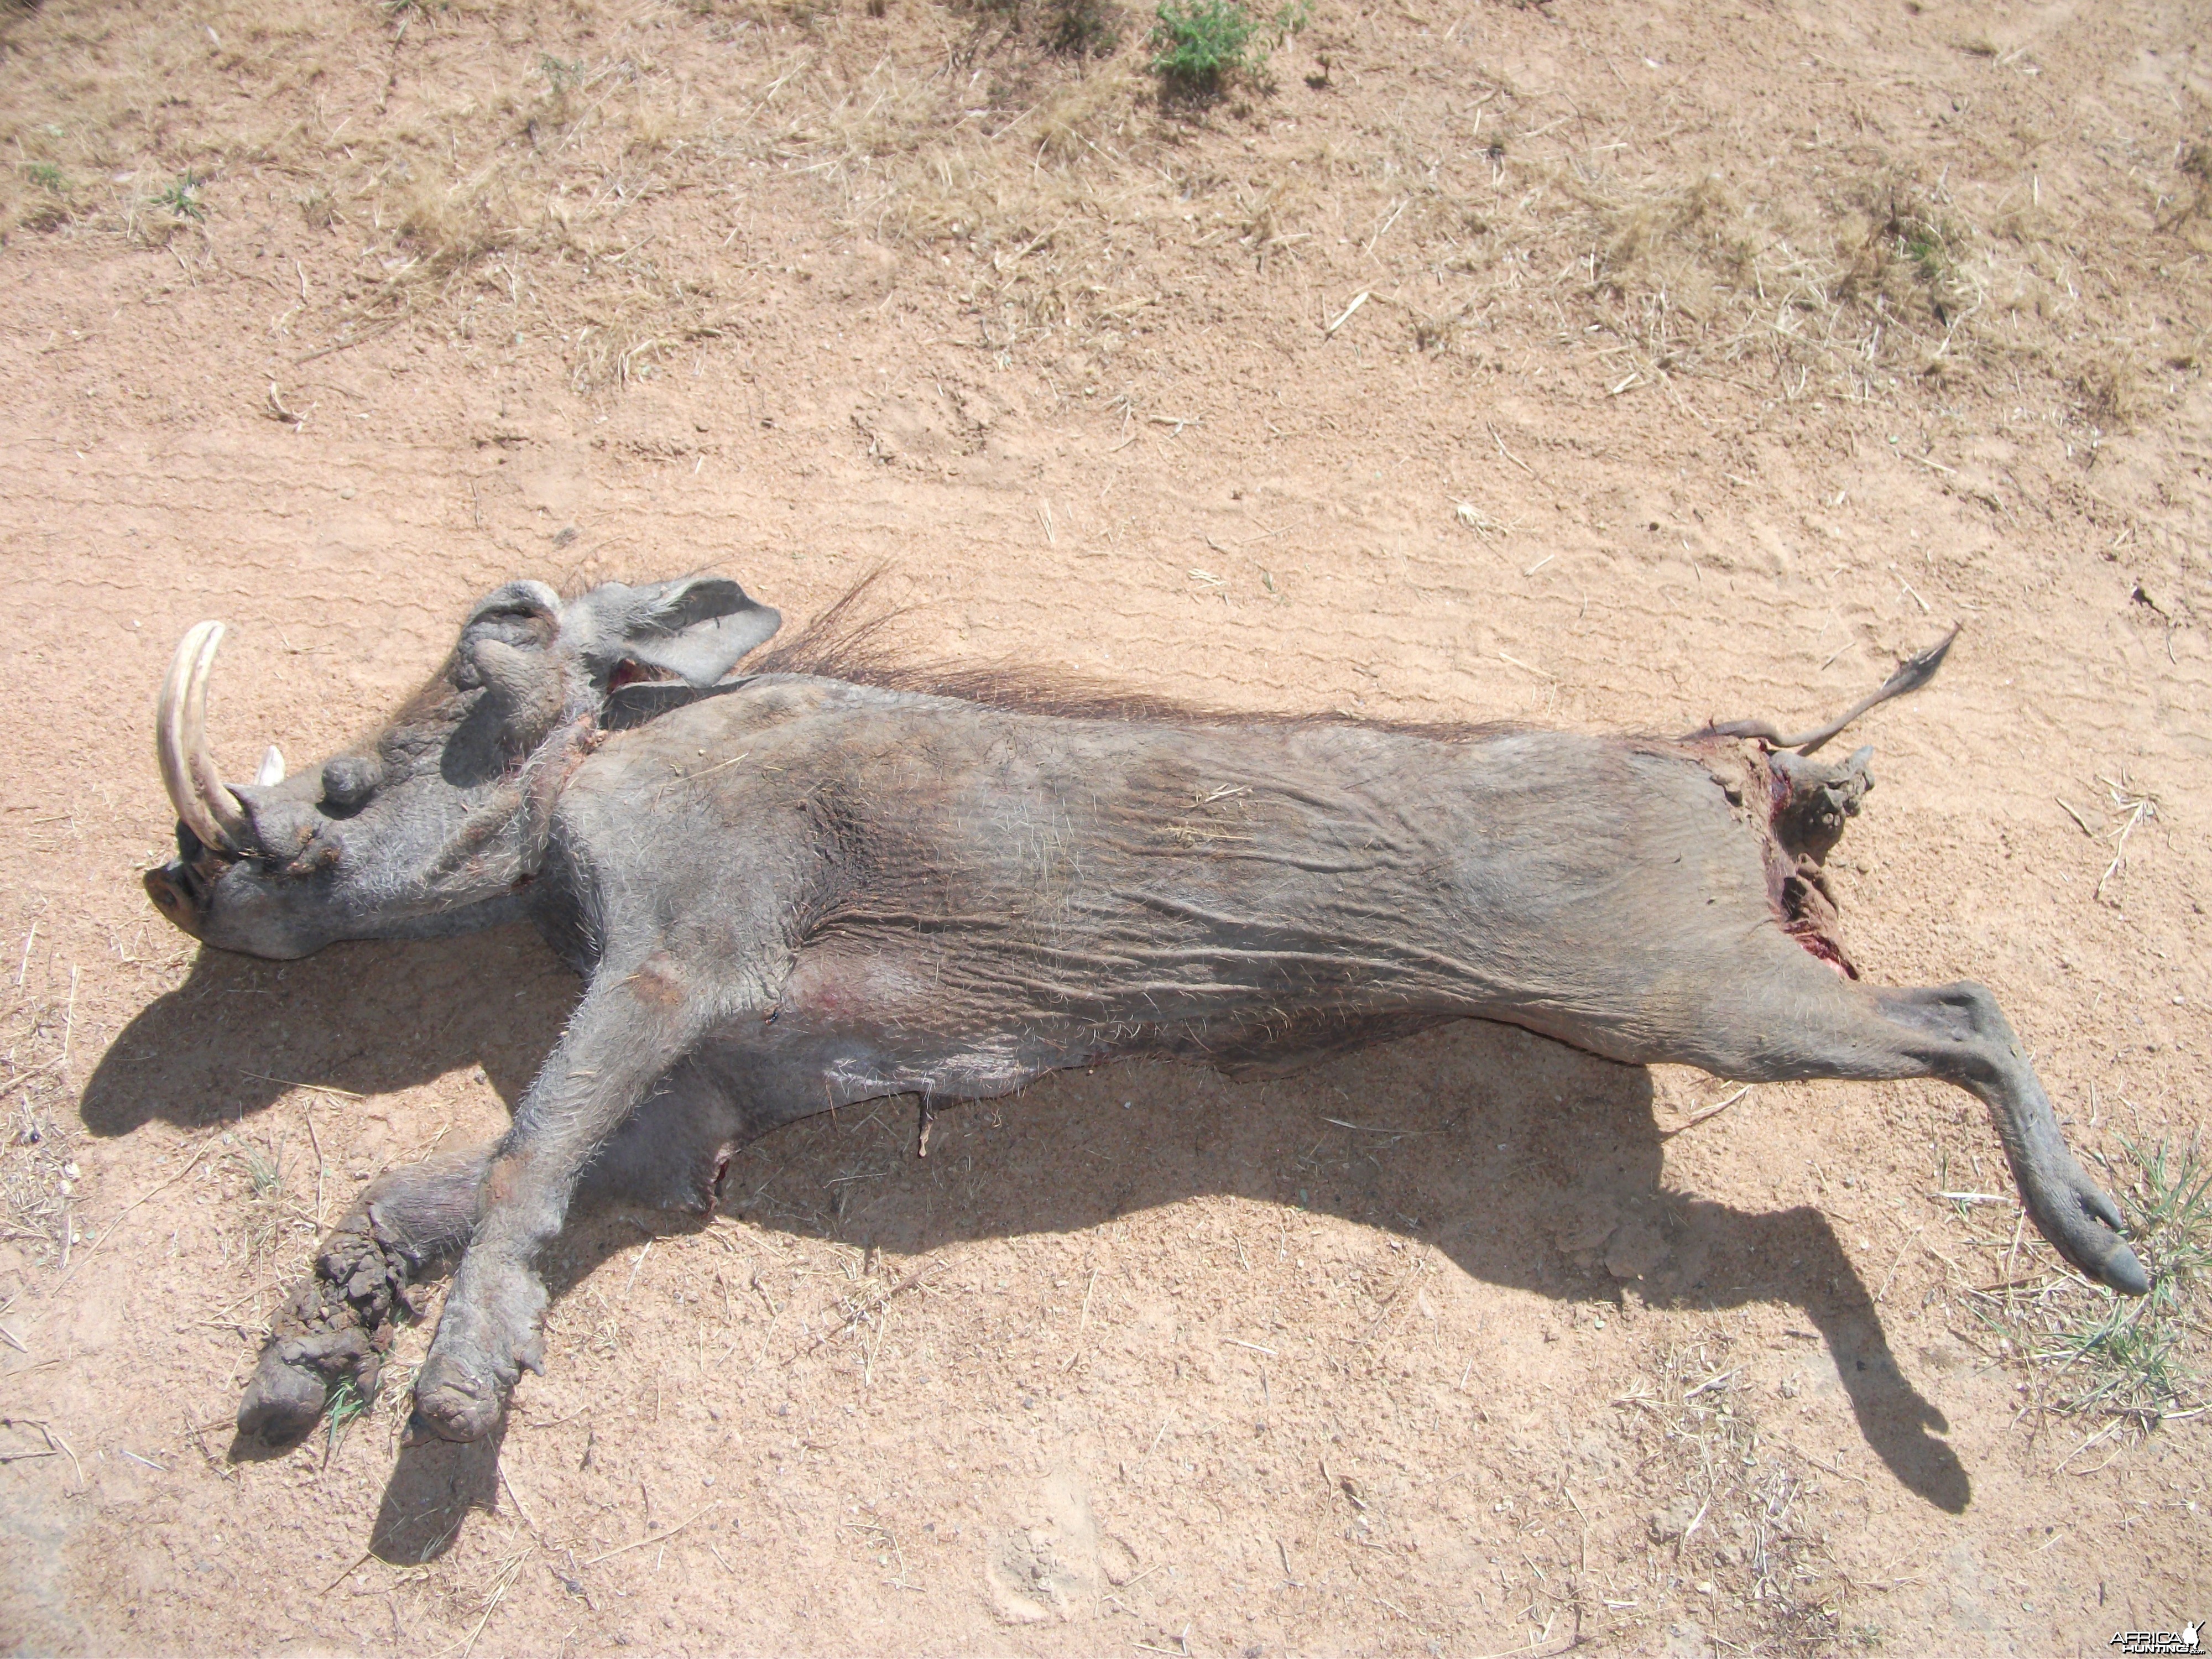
pixel 169 739
pixel 273 767
pixel 203 801
pixel 207 776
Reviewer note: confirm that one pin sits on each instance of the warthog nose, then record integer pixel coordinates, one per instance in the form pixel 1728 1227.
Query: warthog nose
pixel 169 887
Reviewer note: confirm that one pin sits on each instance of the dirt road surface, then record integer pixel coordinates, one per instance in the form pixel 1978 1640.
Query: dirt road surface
pixel 1611 366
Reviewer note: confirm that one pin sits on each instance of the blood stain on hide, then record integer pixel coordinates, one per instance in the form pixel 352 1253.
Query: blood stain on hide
pixel 656 982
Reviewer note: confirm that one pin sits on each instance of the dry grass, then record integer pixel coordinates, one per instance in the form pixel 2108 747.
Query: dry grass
pixel 1733 1531
pixel 519 187
pixel 2123 1365
pixel 40 1210
pixel 2186 212
pixel 1694 277
pixel 2108 391
pixel 2129 1354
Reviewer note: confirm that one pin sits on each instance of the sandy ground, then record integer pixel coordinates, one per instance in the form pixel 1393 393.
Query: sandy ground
pixel 1705 360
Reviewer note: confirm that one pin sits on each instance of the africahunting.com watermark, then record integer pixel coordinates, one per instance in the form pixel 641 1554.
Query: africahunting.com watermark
pixel 2188 1639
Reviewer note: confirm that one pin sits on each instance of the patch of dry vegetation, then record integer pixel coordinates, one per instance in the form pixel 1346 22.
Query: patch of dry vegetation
pixel 2118 1366
pixel 40 1211
pixel 516 171
pixel 1732 1532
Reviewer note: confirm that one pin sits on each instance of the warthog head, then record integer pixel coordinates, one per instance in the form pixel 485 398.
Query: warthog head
pixel 427 826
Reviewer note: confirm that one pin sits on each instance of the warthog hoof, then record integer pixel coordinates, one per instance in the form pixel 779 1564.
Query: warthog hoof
pixel 294 1381
pixel 335 1329
pixel 2085 1226
pixel 454 1401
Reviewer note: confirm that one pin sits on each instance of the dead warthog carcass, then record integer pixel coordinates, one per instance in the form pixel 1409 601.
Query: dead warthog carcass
pixel 835 878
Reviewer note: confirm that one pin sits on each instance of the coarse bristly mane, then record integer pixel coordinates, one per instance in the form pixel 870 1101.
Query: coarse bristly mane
pixel 848 641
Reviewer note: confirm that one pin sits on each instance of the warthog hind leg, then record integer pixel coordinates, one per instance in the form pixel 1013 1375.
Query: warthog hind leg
pixel 1789 1017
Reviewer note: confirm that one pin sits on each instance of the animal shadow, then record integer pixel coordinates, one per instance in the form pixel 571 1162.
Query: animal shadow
pixel 433 1485
pixel 1528 1164
pixel 360 1018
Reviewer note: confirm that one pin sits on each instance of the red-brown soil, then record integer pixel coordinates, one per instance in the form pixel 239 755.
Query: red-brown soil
pixel 1710 358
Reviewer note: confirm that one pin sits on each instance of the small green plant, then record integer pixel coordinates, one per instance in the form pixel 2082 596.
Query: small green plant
pixel 1924 247
pixel 2128 1360
pixel 46 176
pixel 1197 47
pixel 562 77
pixel 182 198
pixel 262 1173
pixel 1929 245
pixel 347 1404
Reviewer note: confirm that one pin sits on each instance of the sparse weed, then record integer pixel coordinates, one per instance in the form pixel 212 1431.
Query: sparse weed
pixel 1902 253
pixel 1083 28
pixel 2190 215
pixel 317 207
pixel 181 197
pixel 2106 389
pixel 2126 1358
pixel 52 208
pixel 263 1172
pixel 347 1404
pixel 1198 46
pixel 39 1208
pixel 1736 1513
pixel 264 1217
pixel 1707 273
pixel 560 75
pixel 446 225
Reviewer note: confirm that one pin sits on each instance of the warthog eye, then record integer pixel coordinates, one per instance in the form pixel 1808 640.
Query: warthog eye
pixel 349 780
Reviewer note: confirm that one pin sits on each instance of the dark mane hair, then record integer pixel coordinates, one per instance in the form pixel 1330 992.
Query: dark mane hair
pixel 850 641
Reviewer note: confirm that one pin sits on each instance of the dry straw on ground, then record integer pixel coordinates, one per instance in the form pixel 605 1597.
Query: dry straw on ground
pixel 547 185
pixel 1591 365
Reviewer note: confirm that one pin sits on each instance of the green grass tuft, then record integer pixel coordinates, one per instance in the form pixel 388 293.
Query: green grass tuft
pixel 2129 1354
pixel 347 1405
pixel 262 1173
pixel 182 198
pixel 1196 47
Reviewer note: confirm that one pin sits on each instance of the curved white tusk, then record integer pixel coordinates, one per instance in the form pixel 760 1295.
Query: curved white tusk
pixel 207 776
pixel 203 802
pixel 273 767
pixel 169 738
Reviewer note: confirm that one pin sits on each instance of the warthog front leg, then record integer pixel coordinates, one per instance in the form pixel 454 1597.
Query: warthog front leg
pixel 337 1325
pixel 627 1031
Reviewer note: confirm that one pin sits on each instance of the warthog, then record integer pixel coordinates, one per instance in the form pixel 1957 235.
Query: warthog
pixel 835 878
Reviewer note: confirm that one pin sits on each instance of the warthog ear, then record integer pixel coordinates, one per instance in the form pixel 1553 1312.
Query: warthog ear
pixel 696 628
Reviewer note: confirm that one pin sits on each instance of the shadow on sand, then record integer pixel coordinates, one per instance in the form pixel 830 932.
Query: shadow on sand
pixel 1527 1164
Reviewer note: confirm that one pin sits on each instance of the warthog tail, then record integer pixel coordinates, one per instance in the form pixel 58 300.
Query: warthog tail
pixel 1912 674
